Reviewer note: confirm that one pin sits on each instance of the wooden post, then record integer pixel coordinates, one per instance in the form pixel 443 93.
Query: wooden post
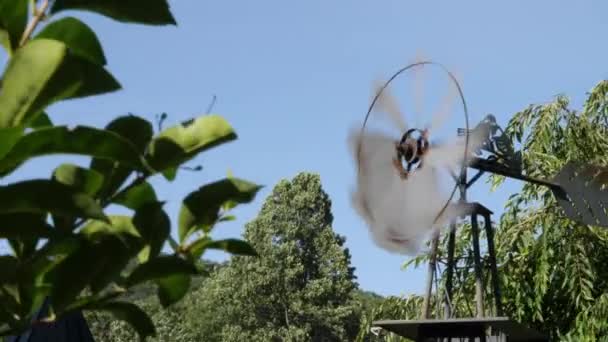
pixel 478 269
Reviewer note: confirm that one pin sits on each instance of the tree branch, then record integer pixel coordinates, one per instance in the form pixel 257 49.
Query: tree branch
pixel 39 14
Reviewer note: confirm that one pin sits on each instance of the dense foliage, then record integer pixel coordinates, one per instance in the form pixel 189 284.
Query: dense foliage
pixel 553 271
pixel 300 288
pixel 65 244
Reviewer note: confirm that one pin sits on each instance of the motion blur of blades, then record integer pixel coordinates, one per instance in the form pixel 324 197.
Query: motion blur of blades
pixel 399 192
pixel 388 107
pixel 419 83
pixel 442 113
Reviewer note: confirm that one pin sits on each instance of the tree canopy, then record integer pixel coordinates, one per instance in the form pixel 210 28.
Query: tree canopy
pixel 300 288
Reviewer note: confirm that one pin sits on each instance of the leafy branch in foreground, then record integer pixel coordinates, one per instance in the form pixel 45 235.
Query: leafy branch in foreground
pixel 66 247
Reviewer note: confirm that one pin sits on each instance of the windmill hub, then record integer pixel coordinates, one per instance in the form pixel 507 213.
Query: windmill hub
pixel 412 146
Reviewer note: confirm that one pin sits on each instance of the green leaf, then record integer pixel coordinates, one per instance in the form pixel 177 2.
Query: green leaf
pixel 136 129
pixel 43 72
pixel 80 140
pixel 42 196
pixel 232 246
pixel 5 41
pixel 170 173
pixel 41 121
pixel 160 267
pixel 104 252
pixel 76 77
pixel 118 225
pixel 180 143
pixel 26 76
pixel 173 288
pixel 200 208
pixel 85 180
pixel 77 36
pixel 13 19
pixel 150 12
pixel 133 315
pixel 8 139
pixel 8 269
pixel 154 226
pixel 139 132
pixel 137 196
pixel 24 226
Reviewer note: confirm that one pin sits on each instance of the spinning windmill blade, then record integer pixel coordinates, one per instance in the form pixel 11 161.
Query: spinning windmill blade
pixel 398 191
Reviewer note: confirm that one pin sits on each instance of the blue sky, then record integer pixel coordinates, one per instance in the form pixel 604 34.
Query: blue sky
pixel 293 76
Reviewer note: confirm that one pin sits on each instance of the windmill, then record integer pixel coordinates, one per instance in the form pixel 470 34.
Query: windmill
pixel 400 197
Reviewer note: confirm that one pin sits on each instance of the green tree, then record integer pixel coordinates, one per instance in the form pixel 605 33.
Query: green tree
pixel 300 288
pixel 184 321
pixel 552 270
pixel 65 243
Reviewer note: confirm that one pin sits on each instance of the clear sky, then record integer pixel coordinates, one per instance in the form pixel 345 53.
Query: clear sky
pixel 293 76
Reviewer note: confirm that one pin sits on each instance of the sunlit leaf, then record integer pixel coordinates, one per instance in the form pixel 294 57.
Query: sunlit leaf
pixel 201 207
pixel 85 180
pixel 43 72
pixel 180 143
pixel 26 76
pixel 137 196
